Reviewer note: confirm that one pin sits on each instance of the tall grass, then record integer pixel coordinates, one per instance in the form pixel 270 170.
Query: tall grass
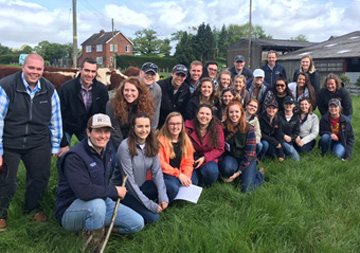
pixel 311 206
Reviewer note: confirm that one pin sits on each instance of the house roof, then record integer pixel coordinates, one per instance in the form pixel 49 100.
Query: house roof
pixel 102 38
pixel 274 44
pixel 346 46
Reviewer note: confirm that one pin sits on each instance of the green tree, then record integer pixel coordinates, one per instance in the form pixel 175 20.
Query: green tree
pixel 204 43
pixel 146 42
pixel 165 48
pixel 4 50
pixel 50 51
pixel 300 37
pixel 184 49
pixel 26 49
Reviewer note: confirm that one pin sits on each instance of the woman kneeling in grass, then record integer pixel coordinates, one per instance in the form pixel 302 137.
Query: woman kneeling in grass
pixel 336 132
pixel 240 145
pixel 176 154
pixel 138 156
pixel 207 137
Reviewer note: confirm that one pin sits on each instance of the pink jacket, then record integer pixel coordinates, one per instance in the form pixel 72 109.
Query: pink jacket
pixel 205 149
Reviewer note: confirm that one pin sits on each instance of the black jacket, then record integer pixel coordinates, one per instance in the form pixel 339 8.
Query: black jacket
pixel 194 103
pixel 292 127
pixel 346 132
pixel 74 114
pixel 245 72
pixel 273 132
pixel 343 95
pixel 26 124
pixel 171 102
pixel 272 74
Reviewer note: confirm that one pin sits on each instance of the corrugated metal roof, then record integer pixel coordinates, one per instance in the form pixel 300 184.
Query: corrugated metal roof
pixel 274 43
pixel 346 46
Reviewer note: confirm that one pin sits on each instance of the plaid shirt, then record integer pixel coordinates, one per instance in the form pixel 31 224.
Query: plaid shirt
pixel 55 125
pixel 249 150
pixel 87 96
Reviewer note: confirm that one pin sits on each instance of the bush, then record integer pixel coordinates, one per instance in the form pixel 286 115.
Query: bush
pixel 9 58
pixel 345 79
pixel 357 83
pixel 124 61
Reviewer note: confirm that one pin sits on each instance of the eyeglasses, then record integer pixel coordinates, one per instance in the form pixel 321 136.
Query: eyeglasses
pixel 174 124
pixel 280 85
pixel 213 70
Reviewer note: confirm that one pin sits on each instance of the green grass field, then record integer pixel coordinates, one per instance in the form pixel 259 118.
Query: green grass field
pixel 311 206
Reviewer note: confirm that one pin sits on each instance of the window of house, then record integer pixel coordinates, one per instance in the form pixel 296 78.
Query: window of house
pixel 88 49
pixel 99 60
pixel 127 49
pixel 99 48
pixel 115 47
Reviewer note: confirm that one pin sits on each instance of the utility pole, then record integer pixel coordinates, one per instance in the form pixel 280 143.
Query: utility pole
pixel 74 36
pixel 249 61
pixel 113 43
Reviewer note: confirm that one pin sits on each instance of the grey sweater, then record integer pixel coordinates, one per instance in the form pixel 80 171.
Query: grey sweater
pixel 137 167
pixel 309 130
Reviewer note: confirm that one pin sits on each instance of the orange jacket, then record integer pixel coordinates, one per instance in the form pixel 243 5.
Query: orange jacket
pixel 186 164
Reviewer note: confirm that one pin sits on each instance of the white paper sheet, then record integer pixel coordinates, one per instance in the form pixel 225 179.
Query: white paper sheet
pixel 191 193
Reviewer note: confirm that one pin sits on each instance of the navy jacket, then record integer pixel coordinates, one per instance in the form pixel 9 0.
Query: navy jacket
pixel 343 95
pixel 83 174
pixel 245 72
pixel 171 102
pixel 74 114
pixel 272 74
pixel 346 132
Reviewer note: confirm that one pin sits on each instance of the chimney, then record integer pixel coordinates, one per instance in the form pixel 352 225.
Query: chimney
pixel 102 31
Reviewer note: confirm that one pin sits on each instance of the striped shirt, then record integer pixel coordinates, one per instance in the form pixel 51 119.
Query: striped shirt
pixel 87 96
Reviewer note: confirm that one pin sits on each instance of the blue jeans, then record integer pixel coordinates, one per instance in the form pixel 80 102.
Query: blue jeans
pixel 261 153
pixel 271 150
pixel 291 151
pixel 172 186
pixel 96 213
pixel 307 147
pixel 327 143
pixel 259 147
pixel 149 190
pixel 250 177
pixel 207 173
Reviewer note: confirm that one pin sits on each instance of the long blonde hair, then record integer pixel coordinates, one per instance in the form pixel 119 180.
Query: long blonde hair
pixel 184 140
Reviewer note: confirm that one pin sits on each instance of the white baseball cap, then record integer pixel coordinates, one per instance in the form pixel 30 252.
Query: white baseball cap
pixel 99 120
pixel 259 73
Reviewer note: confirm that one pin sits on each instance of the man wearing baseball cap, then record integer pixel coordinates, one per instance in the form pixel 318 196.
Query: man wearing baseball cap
pixel 147 77
pixel 175 93
pixel 239 68
pixel 336 132
pixel 84 198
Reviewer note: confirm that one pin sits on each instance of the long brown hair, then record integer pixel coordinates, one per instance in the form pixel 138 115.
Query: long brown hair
pixel 213 98
pixel 183 137
pixel 143 103
pixel 242 122
pixel 312 94
pixel 212 127
pixel 310 108
pixel 220 88
pixel 151 143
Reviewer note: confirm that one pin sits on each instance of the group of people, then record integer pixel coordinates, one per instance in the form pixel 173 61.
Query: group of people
pixel 192 128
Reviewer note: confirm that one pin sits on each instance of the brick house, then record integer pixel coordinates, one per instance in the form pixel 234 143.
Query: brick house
pixel 100 47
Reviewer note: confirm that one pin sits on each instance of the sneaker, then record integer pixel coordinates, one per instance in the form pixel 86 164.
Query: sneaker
pixel 39 217
pixel 3 225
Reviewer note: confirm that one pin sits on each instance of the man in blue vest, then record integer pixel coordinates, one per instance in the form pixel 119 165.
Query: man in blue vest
pixel 30 130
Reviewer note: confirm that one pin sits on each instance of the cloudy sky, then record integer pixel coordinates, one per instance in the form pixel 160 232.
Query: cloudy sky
pixel 31 21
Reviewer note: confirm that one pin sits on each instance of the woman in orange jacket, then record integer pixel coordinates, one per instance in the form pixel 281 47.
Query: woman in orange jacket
pixel 176 154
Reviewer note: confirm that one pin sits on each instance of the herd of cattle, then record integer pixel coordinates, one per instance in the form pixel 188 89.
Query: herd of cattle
pixel 109 77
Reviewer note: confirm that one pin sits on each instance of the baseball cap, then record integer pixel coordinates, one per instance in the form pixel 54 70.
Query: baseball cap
pixel 99 120
pixel 239 58
pixel 289 100
pixel 334 101
pixel 179 68
pixel 149 66
pixel 273 103
pixel 259 73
